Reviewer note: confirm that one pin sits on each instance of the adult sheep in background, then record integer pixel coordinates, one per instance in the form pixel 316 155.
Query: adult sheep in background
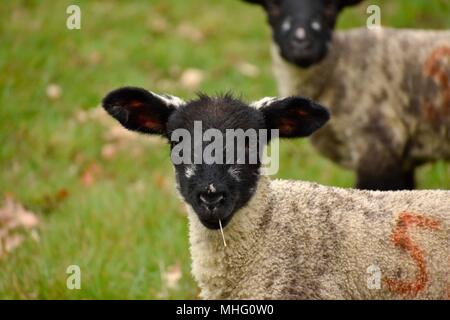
pixel 388 89
pixel 288 239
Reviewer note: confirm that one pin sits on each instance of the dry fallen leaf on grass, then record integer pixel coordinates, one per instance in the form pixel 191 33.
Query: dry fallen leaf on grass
pixel 158 24
pixel 109 151
pixel 164 183
pixel 159 180
pixel 12 242
pixel 190 32
pixel 166 85
pixel 121 139
pixel 116 137
pixel 53 91
pixel 97 114
pixel 50 201
pixel 118 133
pixel 248 69
pixel 15 222
pixel 192 78
pixel 139 186
pixel 172 276
pixel 95 57
pixel 90 174
pixel 27 219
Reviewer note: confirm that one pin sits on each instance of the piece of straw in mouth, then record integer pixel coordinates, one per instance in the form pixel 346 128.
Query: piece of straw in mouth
pixel 221 231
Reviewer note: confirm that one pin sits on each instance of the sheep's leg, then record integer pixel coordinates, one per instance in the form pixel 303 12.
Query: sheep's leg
pixel 392 177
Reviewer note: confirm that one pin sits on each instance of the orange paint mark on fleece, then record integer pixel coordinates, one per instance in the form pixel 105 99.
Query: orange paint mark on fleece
pixel 434 69
pixel 401 238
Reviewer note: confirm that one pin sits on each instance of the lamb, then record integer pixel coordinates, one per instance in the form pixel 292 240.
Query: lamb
pixel 288 239
pixel 388 89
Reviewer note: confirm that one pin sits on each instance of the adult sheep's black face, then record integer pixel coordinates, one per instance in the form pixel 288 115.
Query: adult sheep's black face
pixel 302 29
pixel 216 142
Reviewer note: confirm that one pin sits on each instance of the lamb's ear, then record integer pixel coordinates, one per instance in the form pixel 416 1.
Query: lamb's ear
pixel 140 110
pixel 292 116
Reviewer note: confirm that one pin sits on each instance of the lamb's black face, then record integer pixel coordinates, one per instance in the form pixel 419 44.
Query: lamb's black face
pixel 302 29
pixel 215 182
pixel 217 190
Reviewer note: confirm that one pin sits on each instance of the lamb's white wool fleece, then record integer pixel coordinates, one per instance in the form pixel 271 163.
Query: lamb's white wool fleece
pixel 389 94
pixel 301 240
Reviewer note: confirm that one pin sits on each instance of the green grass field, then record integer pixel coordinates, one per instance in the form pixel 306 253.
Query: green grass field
pixel 109 206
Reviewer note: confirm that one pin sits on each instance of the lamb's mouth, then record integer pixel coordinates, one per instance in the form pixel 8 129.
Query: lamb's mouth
pixel 305 62
pixel 305 58
pixel 214 224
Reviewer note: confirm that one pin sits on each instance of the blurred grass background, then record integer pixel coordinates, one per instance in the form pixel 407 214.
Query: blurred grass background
pixel 113 211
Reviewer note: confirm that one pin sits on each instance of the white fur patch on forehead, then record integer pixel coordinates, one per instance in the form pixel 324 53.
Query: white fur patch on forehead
pixel 189 171
pixel 264 102
pixel 211 188
pixel 170 100
pixel 234 173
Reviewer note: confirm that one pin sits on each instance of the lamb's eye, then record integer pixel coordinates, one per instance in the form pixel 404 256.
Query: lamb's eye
pixel 286 26
pixel 316 25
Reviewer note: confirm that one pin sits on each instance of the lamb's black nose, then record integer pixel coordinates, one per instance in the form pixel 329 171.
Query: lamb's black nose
pixel 300 40
pixel 211 199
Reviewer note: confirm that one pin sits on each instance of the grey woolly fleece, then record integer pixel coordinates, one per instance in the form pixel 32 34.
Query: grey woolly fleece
pixel 388 91
pixel 301 240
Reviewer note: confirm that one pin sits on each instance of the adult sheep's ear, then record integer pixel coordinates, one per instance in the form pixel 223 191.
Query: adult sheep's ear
pixel 140 110
pixel 292 116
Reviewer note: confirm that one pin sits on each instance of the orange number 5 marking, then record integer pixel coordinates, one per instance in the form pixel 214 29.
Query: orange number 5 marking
pixel 401 238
